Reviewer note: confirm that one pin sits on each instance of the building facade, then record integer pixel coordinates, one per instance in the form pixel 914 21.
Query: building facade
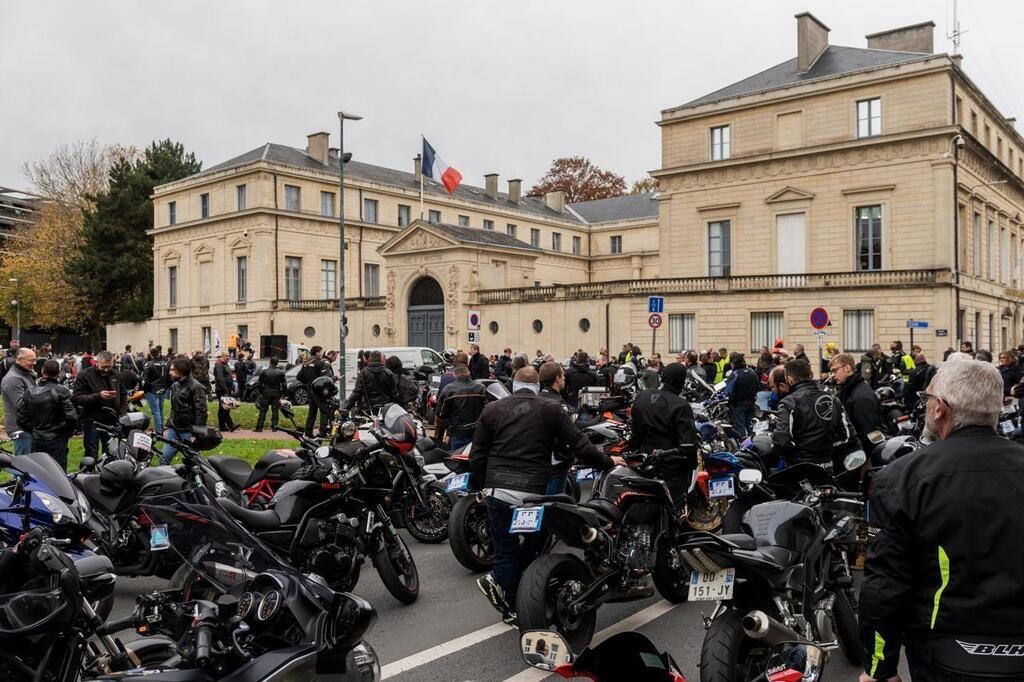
pixel 878 182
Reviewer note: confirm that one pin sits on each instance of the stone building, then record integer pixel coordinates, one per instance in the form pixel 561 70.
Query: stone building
pixel 879 182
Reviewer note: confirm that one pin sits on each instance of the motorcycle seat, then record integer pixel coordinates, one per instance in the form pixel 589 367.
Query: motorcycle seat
pixel 434 456
pixel 739 540
pixel 97 493
pixel 541 499
pixel 232 469
pixel 288 465
pixel 426 443
pixel 604 508
pixel 254 520
pixel 779 555
pixel 92 566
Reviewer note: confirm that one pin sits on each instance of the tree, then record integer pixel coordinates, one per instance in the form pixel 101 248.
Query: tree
pixel 647 184
pixel 73 173
pixel 580 180
pixel 114 267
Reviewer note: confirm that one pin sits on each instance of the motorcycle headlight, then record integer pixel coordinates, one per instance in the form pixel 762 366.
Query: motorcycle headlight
pixel 362 664
pixel 83 505
pixel 60 512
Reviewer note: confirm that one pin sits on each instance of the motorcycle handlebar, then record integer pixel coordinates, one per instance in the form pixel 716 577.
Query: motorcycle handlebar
pixel 204 639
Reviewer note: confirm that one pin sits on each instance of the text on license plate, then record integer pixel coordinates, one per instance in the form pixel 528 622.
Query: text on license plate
pixel 1007 427
pixel 717 586
pixel 457 484
pixel 526 519
pixel 721 487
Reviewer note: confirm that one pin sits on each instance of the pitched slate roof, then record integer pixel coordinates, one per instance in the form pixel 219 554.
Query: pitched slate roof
pixel 835 61
pixel 475 235
pixel 628 207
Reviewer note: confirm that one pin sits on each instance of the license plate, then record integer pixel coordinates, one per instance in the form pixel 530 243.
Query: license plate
pixel 141 441
pixel 158 537
pixel 760 427
pixel 722 487
pixel 584 474
pixel 1007 427
pixel 1009 409
pixel 717 586
pixel 526 519
pixel 457 484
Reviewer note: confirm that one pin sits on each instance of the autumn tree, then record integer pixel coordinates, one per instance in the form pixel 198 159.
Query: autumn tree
pixel 73 173
pixel 580 179
pixel 647 184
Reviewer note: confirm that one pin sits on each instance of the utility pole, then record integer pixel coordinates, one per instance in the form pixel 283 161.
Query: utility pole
pixel 342 331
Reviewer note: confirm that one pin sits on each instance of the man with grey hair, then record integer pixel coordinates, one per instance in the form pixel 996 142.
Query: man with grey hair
pixel 101 397
pixel 19 379
pixel 944 576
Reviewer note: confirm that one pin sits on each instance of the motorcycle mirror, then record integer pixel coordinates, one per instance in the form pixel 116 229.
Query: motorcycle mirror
pixel 750 476
pixel 6 461
pixel 85 464
pixel 348 429
pixel 795 661
pixel 855 460
pixel 323 451
pixel 545 650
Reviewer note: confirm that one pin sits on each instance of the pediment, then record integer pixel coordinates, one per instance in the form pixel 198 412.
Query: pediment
pixel 202 252
pixel 789 193
pixel 171 255
pixel 240 244
pixel 419 236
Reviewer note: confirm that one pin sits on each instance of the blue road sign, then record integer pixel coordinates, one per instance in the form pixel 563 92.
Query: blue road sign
pixel 656 304
pixel 917 324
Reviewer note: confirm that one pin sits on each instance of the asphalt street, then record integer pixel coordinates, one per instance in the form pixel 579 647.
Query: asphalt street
pixel 451 633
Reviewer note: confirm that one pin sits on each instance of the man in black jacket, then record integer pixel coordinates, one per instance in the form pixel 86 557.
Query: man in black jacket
pixel 664 421
pixel 154 384
pixel 96 389
pixel 314 369
pixel 478 366
pixel 272 383
pixel 375 387
pixel 861 403
pixel 947 590
pixel 224 384
pixel 811 422
pixel 459 405
pixel 510 461
pixel 578 376
pixel 47 413
pixel 742 387
pixel 188 406
pixel 503 368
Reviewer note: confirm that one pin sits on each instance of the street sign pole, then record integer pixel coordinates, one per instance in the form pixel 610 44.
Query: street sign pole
pixel 654 336
pixel 911 336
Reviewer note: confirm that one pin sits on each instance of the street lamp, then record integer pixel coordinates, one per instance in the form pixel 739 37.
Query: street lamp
pixel 17 309
pixel 343 158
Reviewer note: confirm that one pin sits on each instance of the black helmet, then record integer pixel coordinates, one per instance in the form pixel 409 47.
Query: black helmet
pixel 893 449
pixel 762 445
pixel 885 394
pixel 115 476
pixel 205 438
pixel 323 388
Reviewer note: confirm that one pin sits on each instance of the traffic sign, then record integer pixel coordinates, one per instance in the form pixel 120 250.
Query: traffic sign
pixel 474 320
pixel 819 318
pixel 656 304
pixel 474 337
pixel 941 332
pixel 655 320
pixel 917 324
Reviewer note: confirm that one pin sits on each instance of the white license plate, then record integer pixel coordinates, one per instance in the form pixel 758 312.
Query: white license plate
pixel 584 474
pixel 158 537
pixel 906 426
pixel 1007 427
pixel 722 487
pixel 760 427
pixel 1010 408
pixel 717 586
pixel 457 484
pixel 526 519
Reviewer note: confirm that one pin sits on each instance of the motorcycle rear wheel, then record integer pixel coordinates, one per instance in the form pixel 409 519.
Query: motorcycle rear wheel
pixel 429 523
pixel 397 569
pixel 725 655
pixel 469 535
pixel 547 585
pixel 672 584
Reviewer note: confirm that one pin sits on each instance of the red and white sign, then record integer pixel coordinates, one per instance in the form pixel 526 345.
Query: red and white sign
pixel 473 320
pixel 655 320
pixel 819 318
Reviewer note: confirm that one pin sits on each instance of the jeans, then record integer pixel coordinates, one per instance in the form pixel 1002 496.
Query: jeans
pixel 512 552
pixel 56 448
pixel 457 442
pixel 155 400
pixel 169 450
pixel 92 439
pixel 742 418
pixel 23 443
pixel 558 481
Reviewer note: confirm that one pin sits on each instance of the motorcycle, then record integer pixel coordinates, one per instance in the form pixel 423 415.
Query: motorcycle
pixel 626 532
pixel 623 656
pixel 788 580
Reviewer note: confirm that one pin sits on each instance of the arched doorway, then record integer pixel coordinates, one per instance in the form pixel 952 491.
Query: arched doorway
pixel 426 314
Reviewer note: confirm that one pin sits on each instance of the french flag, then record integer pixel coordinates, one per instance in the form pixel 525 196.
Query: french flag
pixel 437 170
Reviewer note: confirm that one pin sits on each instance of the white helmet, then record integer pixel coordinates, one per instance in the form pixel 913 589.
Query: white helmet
pixel 229 403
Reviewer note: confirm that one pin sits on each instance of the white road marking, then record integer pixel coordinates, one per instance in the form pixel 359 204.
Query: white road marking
pixel 637 620
pixel 442 650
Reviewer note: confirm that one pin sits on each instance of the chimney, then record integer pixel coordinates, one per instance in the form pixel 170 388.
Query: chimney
pixel 914 38
pixel 555 200
pixel 515 190
pixel 811 40
pixel 316 147
pixel 491 185
pixel 417 167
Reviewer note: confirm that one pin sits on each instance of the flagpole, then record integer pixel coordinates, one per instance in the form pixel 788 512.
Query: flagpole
pixel 421 176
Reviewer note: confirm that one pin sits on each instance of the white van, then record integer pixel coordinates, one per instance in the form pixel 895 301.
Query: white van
pixel 411 357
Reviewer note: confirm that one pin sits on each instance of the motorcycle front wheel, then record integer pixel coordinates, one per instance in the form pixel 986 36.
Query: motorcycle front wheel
pixel 546 589
pixel 428 522
pixel 397 569
pixel 469 535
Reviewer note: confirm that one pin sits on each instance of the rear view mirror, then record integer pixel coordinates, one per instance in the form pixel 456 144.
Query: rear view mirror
pixel 750 476
pixel 855 460
pixel 794 661
pixel 545 650
pixel 6 461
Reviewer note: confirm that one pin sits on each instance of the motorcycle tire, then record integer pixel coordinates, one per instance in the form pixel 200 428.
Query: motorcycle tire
pixel 469 535
pixel 402 582
pixel 672 584
pixel 429 525
pixel 844 620
pixel 550 579
pixel 572 487
pixel 724 653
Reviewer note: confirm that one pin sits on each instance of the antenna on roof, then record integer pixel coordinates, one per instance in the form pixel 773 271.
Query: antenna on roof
pixel 955 34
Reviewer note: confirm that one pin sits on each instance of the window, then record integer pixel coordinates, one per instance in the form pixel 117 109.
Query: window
pixel 243 332
pixel 999 148
pixel 404 213
pixel 204 205
pixel 577 245
pixel 510 229
pixel 172 212
pixel 869 117
pixel 719 253
pixel 240 197
pixel 1014 273
pixel 370 210
pixel 488 224
pixel 977 244
pixel 974 123
pixel 959 111
pixel 858 330
pixel 992 247
pixel 534 237
pixel 327 204
pixel 172 286
pixel 977 331
pixel 371 280
pixel 207 340
pixel 991 331
pixel 556 241
pixel 292 198
pixel 988 136
pixel 464 220
pixel 205 283
pixel 764 329
pixel 1004 256
pixel 242 278
pixel 172 338
pixel 328 279
pixel 617 244
pixel 868 225
pixel 538 326
pixel 680 333
pixel 293 278
pixel 435 216
pixel 720 143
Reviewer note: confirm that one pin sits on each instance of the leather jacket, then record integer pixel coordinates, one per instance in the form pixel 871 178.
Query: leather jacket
pixel 46 411
pixel 375 387
pixel 188 405
pixel 86 394
pixel 272 383
pixel 862 407
pixel 459 405
pixel 811 424
pixel 222 380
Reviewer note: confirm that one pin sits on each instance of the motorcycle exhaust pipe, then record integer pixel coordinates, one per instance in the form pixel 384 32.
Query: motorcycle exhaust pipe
pixel 588 534
pixel 759 625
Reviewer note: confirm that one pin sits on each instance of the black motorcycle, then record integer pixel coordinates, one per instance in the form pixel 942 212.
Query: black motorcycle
pixel 787 580
pixel 625 531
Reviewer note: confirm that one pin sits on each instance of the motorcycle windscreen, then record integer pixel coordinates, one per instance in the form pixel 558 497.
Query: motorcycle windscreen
pixel 625 656
pixel 44 469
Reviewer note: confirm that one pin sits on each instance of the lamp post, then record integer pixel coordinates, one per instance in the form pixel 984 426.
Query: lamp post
pixel 17 310
pixel 343 158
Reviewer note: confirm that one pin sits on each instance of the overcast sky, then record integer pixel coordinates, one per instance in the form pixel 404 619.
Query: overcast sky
pixel 495 86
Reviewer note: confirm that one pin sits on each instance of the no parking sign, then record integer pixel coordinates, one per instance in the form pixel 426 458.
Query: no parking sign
pixel 473 323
